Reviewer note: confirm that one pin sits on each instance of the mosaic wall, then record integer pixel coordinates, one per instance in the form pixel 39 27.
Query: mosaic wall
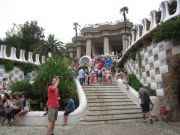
pixel 16 74
pixel 153 56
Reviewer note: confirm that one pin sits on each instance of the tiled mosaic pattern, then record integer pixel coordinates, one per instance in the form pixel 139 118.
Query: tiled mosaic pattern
pixel 154 64
pixel 16 74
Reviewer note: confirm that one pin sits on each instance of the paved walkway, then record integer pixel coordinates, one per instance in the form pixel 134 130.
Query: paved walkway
pixel 158 128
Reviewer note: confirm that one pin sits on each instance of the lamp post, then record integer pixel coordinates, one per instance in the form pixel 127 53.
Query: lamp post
pixel 124 11
pixel 76 25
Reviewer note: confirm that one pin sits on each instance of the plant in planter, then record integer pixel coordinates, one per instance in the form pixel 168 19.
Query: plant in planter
pixel 168 30
pixel 55 67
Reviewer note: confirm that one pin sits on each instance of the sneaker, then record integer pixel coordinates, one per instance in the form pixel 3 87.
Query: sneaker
pixel 45 113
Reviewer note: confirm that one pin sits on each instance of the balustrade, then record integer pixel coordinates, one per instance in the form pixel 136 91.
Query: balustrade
pixel 149 26
pixel 22 58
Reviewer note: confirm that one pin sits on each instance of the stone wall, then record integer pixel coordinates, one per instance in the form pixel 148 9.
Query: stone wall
pixel 16 74
pixel 160 69
pixel 171 83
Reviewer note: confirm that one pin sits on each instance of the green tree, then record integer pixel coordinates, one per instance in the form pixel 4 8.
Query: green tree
pixel 52 45
pixel 27 36
pixel 55 67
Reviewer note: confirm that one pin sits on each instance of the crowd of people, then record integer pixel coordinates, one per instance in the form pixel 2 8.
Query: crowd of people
pixel 13 107
pixel 101 70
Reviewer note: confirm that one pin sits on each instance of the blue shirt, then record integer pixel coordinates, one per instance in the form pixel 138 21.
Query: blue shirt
pixel 70 105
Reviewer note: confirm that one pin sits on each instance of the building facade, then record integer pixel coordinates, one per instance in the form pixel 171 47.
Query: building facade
pixel 99 39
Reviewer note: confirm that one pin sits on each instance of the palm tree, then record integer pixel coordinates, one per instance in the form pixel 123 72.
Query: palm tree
pixel 124 11
pixel 52 45
pixel 76 25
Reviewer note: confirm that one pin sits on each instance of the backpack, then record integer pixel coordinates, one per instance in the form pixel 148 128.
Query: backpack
pixel 146 98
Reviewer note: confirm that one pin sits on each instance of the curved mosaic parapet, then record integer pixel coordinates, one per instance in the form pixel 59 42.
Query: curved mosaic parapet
pixel 150 25
pixel 153 19
pixel 21 58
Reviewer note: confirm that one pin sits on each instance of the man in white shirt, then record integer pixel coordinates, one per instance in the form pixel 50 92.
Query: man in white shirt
pixel 81 75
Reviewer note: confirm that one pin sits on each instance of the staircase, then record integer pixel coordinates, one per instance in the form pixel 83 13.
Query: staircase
pixel 108 104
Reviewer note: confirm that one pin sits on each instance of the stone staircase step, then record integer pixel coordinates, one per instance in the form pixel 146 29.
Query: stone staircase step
pixel 110 109
pixel 99 85
pixel 110 122
pixel 115 112
pixel 110 104
pixel 117 101
pixel 103 88
pixel 110 100
pixel 106 94
pixel 120 117
pixel 99 88
pixel 113 107
pixel 113 116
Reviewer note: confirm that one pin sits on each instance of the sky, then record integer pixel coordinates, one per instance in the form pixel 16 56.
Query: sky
pixel 57 16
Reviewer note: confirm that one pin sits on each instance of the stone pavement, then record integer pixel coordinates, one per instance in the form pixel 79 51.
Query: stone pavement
pixel 138 128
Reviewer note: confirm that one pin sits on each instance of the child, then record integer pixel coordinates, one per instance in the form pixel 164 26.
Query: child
pixel 69 108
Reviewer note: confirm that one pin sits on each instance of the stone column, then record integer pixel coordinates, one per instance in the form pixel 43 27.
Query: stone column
pixel 71 54
pixel 88 47
pixel 110 48
pixel 93 50
pixel 106 45
pixel 124 38
pixel 78 52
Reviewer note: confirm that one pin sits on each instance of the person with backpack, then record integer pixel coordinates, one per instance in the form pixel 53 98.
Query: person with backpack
pixel 145 104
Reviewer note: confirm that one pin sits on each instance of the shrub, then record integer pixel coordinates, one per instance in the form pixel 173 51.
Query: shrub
pixel 8 65
pixel 168 30
pixel 27 67
pixel 135 83
pixel 55 67
pixel 22 86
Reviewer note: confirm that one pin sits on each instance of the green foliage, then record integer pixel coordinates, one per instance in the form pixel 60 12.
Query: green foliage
pixel 135 83
pixel 168 30
pixel 139 60
pixel 27 36
pixel 150 91
pixel 132 55
pixel 27 67
pixel 22 86
pixel 8 65
pixel 53 46
pixel 55 67
pixel 119 66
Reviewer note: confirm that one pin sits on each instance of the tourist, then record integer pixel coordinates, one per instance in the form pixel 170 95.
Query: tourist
pixel 125 79
pixel 53 105
pixel 25 106
pixel 145 104
pixel 4 85
pixel 81 75
pixel 92 73
pixel 68 109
